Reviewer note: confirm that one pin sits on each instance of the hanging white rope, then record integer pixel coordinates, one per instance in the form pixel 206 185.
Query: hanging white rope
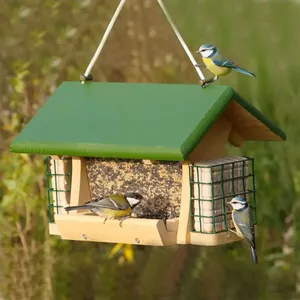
pixel 110 26
pixel 182 42
pixel 104 38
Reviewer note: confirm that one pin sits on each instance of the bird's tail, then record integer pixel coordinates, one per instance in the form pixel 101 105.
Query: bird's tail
pixel 254 255
pixel 68 208
pixel 244 71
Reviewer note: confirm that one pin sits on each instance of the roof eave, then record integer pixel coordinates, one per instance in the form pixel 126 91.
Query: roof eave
pixel 107 151
pixel 279 134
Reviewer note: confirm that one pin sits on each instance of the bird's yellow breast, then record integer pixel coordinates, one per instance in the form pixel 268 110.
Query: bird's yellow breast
pixel 211 66
pixel 111 213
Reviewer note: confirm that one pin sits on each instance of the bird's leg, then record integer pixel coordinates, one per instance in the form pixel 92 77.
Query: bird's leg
pixel 122 220
pixel 230 230
pixel 200 66
pixel 104 220
pixel 215 78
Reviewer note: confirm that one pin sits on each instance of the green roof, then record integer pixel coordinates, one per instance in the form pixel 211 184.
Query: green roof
pixel 128 120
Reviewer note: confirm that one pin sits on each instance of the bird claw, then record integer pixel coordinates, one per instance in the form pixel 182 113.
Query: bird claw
pixel 104 220
pixel 121 222
pixel 204 83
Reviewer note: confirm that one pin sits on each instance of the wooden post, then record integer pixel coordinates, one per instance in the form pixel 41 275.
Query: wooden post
pixel 183 233
pixel 80 192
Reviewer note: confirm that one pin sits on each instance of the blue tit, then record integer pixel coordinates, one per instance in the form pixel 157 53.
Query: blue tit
pixel 216 63
pixel 116 206
pixel 241 217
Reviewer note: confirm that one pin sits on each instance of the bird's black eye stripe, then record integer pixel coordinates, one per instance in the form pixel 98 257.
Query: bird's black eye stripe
pixel 205 50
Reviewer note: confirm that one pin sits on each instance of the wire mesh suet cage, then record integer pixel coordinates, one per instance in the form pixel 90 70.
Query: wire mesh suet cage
pixel 212 185
pixel 58 181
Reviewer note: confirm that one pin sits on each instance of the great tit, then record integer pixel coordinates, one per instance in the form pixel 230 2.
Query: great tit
pixel 115 206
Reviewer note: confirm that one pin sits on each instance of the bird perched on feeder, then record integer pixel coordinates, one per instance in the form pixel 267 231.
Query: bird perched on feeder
pixel 216 63
pixel 116 206
pixel 241 217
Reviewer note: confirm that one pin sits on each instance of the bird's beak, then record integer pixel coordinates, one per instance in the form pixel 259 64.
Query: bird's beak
pixel 228 203
pixel 197 51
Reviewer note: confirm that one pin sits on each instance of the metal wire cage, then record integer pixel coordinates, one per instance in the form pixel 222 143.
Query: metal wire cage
pixel 58 182
pixel 212 185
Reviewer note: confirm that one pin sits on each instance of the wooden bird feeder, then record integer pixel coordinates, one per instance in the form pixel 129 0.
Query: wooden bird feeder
pixel 165 141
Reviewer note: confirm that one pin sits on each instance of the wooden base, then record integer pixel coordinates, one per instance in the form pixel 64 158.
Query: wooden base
pixel 213 239
pixel 133 231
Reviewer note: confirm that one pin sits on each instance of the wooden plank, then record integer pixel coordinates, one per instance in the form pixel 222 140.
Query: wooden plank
pixel 248 126
pixel 133 231
pixel 80 191
pixel 213 239
pixel 235 139
pixel 172 225
pixel 56 157
pixel 53 229
pixel 213 145
pixel 183 234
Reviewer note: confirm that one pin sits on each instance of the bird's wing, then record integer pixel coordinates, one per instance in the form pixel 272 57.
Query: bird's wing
pixel 120 201
pixel 243 221
pixel 224 63
pixel 110 202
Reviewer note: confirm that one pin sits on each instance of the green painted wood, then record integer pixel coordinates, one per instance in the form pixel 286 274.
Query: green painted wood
pixel 124 120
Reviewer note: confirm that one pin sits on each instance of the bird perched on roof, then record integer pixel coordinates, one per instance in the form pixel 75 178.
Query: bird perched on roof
pixel 217 64
pixel 116 206
pixel 241 217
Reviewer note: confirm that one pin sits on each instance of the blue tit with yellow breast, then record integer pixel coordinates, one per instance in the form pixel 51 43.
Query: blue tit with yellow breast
pixel 241 217
pixel 216 63
pixel 116 206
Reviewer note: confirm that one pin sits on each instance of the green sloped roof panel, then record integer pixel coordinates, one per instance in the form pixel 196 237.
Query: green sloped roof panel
pixel 124 120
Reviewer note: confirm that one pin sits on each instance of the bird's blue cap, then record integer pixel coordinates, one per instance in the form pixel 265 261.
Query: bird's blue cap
pixel 207 46
pixel 240 199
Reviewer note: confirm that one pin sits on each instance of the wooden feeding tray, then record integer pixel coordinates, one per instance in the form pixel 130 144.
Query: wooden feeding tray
pixel 91 176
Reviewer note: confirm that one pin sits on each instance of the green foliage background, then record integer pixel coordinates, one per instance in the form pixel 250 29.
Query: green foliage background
pixel 46 42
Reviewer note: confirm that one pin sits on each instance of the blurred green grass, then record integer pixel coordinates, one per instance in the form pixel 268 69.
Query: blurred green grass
pixel 261 36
